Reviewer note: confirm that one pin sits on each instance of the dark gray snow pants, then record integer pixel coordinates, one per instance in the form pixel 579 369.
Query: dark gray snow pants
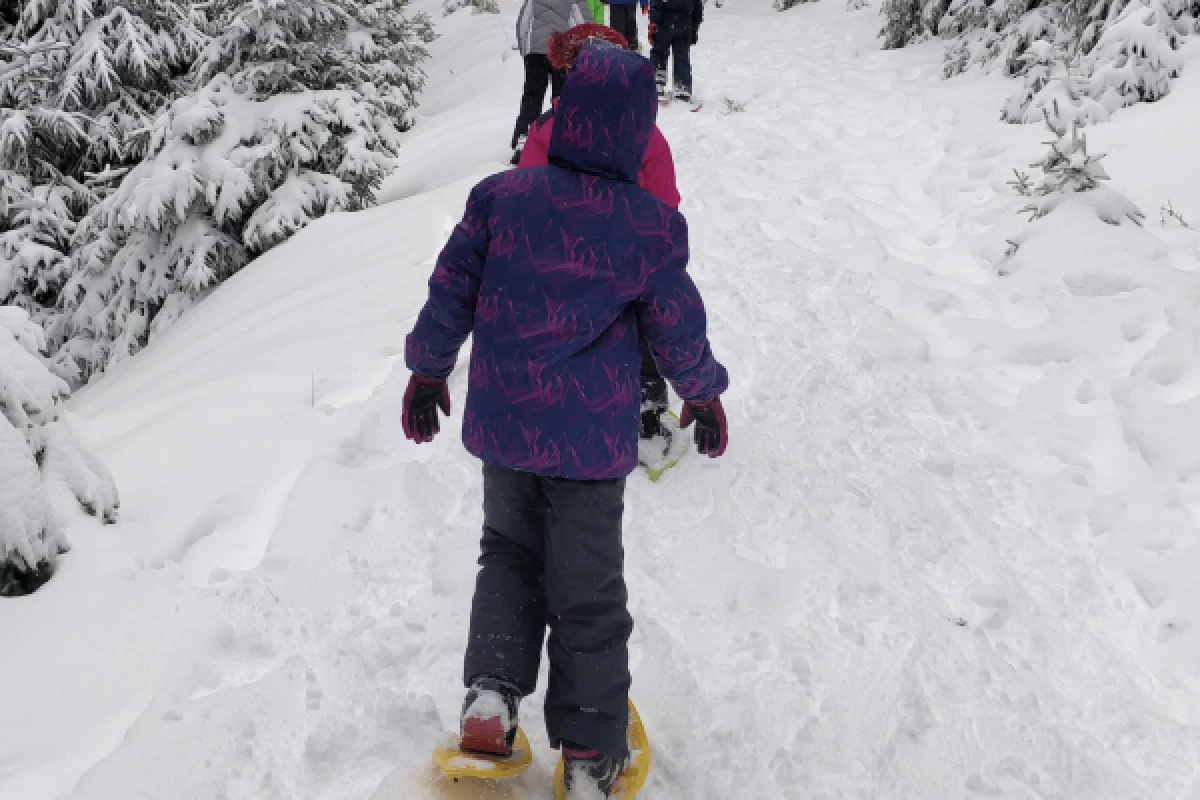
pixel 552 556
pixel 673 38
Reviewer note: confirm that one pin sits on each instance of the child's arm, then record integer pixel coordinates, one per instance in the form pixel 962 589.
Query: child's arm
pixel 658 171
pixel 536 152
pixel 448 317
pixel 671 315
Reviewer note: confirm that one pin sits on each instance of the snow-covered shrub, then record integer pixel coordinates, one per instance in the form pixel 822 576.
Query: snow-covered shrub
pixel 299 110
pixel 1135 57
pixel 80 82
pixel 1052 92
pixel 1068 170
pixel 1042 62
pixel 36 225
pixel 30 535
pixel 1119 51
pixel 1000 33
pixel 910 21
pixel 38 451
pixel 480 6
pixel 30 394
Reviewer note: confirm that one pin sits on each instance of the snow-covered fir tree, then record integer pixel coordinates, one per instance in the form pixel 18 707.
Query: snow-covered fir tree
pixel 80 83
pixel 1001 32
pixel 1119 51
pixel 909 21
pixel 39 458
pixel 1052 91
pixel 1135 57
pixel 479 6
pixel 1068 170
pixel 298 109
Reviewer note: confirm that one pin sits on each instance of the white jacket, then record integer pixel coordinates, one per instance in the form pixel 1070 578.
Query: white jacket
pixel 541 18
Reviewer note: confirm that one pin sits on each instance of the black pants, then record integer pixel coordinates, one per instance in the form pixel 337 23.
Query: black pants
pixel 654 385
pixel 673 37
pixel 552 556
pixel 538 75
pixel 622 18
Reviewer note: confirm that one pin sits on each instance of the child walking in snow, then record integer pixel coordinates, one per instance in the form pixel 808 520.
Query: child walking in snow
pixel 674 28
pixel 537 20
pixel 657 176
pixel 555 270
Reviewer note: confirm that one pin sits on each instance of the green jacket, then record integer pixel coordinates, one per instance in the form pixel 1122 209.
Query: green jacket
pixel 597 7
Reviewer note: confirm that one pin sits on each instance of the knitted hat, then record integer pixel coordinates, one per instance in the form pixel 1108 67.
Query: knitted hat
pixel 565 46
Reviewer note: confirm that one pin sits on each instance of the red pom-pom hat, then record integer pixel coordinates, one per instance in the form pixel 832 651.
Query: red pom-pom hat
pixel 564 47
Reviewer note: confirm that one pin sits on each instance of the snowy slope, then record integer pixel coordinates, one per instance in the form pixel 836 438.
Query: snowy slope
pixel 947 554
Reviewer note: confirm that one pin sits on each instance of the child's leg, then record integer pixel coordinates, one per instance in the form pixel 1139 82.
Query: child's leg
pixel 654 394
pixel 508 614
pixel 586 701
pixel 537 78
pixel 624 22
pixel 681 49
pixel 659 53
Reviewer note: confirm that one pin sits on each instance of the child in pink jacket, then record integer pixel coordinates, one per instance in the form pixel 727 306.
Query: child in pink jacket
pixel 657 174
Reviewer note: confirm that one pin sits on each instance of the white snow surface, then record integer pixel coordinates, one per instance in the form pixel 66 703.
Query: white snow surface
pixel 950 553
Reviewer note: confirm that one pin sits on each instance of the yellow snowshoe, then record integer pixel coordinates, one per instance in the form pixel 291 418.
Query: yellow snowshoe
pixel 633 777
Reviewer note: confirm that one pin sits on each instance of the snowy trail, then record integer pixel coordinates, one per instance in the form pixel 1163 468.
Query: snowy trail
pixel 870 596
pixel 906 617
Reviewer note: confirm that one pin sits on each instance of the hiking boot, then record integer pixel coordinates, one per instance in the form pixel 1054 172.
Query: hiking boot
pixel 586 772
pixel 660 83
pixel 516 156
pixel 489 717
pixel 654 405
pixel 683 93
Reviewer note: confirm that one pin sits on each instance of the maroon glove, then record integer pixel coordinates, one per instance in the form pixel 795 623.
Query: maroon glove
pixel 651 30
pixel 422 399
pixel 712 432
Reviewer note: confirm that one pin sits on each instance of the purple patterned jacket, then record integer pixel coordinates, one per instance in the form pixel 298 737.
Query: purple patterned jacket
pixel 555 269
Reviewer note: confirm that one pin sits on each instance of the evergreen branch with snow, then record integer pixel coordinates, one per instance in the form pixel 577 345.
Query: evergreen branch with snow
pixel 297 112
pixel 1083 59
pixel 38 453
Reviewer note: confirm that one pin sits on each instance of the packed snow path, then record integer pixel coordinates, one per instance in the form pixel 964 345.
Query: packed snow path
pixel 868 597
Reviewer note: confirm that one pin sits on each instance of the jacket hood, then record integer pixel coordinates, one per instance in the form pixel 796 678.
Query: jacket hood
pixel 605 116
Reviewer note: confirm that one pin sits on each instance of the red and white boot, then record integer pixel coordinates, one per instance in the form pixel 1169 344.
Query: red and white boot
pixel 489 717
pixel 587 774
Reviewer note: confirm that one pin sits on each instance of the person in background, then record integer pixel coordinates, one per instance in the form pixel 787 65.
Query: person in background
pixel 657 176
pixel 622 18
pixel 597 7
pixel 536 22
pixel 674 28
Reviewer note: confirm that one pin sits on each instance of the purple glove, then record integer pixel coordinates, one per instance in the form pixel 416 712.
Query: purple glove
pixel 712 432
pixel 422 399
